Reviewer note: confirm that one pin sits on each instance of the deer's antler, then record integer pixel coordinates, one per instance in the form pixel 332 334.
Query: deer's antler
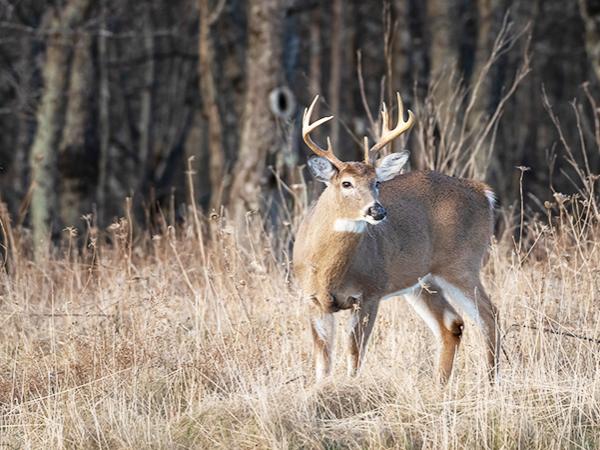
pixel 308 127
pixel 387 134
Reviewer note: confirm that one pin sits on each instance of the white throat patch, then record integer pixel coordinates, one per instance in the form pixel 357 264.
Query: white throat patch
pixel 349 226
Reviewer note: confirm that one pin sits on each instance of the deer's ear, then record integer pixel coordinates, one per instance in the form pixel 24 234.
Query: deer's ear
pixel 391 165
pixel 321 169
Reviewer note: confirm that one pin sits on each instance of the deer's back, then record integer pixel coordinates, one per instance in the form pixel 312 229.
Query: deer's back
pixel 435 224
pixel 437 221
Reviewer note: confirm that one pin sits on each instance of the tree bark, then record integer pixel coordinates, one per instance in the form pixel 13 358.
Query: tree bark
pixel 481 85
pixel 402 48
pixel 314 71
pixel 42 157
pixel 72 145
pixel 335 75
pixel 591 19
pixel 25 123
pixel 485 40
pixel 103 121
pixel 443 50
pixel 210 104
pixel 259 130
pixel 145 123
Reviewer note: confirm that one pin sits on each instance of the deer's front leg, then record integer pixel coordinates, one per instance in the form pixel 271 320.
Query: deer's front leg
pixel 322 325
pixel 361 324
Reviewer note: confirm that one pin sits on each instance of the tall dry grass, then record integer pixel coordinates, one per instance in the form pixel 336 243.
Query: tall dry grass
pixel 196 337
pixel 181 341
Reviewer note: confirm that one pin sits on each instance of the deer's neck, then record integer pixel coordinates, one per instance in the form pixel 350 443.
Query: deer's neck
pixel 336 242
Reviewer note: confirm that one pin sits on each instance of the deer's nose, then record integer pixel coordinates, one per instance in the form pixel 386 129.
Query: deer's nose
pixel 377 211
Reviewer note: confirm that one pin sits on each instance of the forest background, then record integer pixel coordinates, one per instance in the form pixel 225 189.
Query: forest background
pixel 106 100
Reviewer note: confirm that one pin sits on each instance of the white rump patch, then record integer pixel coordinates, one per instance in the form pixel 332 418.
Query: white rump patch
pixel 349 226
pixel 465 303
pixel 491 196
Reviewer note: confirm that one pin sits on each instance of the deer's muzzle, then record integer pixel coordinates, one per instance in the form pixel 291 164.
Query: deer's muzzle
pixel 377 212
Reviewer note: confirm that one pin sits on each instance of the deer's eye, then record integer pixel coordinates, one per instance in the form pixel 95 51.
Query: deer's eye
pixel 346 184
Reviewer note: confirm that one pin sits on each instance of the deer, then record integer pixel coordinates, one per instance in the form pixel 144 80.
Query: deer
pixel 377 232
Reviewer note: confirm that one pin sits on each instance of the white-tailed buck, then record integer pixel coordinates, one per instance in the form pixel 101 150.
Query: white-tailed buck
pixel 376 232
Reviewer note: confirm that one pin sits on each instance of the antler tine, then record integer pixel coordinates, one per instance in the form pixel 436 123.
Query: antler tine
pixel 308 127
pixel 385 119
pixel 366 150
pixel 388 135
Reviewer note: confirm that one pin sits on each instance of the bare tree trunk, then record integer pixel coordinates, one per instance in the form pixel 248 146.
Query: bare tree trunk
pixel 146 97
pixel 314 71
pixel 480 80
pixel 396 49
pixel 314 63
pixel 443 50
pixel 103 122
pixel 23 139
pixel 72 145
pixel 259 130
pixel 194 148
pixel 402 49
pixel 485 40
pixel 210 104
pixel 335 75
pixel 42 157
pixel 591 19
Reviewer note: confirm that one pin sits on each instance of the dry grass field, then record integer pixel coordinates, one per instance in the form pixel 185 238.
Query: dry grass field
pixel 194 335
pixel 176 341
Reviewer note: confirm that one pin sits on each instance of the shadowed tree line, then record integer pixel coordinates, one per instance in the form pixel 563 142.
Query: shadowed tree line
pixel 103 100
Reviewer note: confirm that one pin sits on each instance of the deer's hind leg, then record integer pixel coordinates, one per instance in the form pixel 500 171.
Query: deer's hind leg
pixel 468 293
pixel 444 322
